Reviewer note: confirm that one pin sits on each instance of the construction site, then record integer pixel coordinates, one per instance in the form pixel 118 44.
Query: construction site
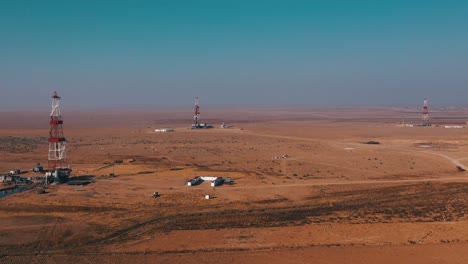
pixel 277 190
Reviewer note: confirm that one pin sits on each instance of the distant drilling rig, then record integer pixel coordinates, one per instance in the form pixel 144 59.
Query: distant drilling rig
pixel 196 116
pixel 425 114
pixel 58 166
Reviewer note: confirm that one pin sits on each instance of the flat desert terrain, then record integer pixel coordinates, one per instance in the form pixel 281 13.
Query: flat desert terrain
pixel 307 188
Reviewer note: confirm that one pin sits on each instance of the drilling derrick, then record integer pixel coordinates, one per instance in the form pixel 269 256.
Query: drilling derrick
pixel 425 114
pixel 57 152
pixel 196 115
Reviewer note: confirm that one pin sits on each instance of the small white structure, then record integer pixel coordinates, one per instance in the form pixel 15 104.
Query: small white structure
pixel 454 126
pixel 207 197
pixel 164 130
pixel 405 125
pixel 209 178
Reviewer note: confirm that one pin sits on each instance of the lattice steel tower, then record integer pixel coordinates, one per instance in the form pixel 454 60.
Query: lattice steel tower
pixel 425 114
pixel 57 142
pixel 196 114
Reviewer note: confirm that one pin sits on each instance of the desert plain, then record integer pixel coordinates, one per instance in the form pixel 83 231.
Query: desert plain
pixel 308 188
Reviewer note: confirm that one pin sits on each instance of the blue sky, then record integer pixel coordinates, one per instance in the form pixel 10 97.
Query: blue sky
pixel 160 54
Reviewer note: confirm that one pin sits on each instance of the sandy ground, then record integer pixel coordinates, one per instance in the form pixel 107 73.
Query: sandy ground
pixel 333 199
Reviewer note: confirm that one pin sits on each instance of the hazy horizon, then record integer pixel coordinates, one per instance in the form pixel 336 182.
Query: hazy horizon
pixel 161 54
pixel 45 109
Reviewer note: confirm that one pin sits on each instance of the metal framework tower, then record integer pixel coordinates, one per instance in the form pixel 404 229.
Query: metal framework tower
pixel 196 114
pixel 57 142
pixel 425 114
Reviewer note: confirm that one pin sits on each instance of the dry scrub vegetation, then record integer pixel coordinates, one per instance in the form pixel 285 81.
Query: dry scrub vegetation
pixel 326 190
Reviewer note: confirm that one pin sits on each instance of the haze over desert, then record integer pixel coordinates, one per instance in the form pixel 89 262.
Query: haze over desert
pixel 207 131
